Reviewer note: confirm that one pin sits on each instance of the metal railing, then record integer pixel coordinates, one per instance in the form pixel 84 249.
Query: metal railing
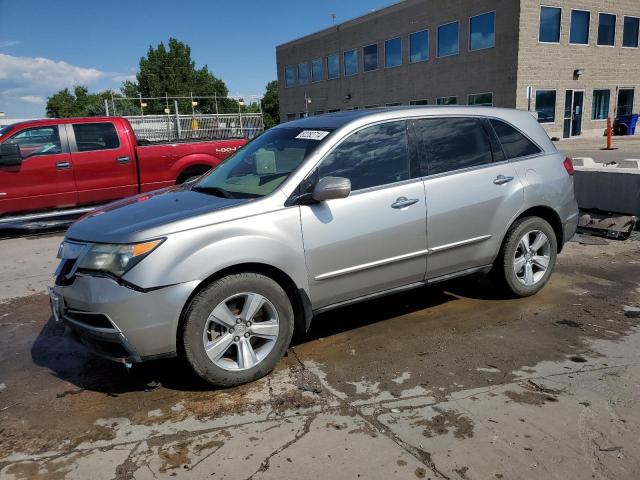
pixel 159 128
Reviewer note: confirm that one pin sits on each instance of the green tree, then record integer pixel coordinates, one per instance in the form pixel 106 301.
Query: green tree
pixel 271 105
pixel 81 103
pixel 171 71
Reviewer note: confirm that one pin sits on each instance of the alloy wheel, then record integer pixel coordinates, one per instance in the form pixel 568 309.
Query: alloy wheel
pixel 532 257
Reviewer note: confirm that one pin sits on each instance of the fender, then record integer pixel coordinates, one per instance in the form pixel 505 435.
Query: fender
pixel 192 160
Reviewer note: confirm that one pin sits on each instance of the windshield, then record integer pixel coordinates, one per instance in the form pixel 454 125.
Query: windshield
pixel 263 164
pixel 5 129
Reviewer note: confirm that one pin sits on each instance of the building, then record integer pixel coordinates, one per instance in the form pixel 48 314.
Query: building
pixel 576 62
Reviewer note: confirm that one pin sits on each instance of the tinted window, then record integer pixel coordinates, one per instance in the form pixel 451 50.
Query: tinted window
pixel 370 54
pixel 37 141
pixel 303 74
pixel 418 46
pixel 481 99
pixel 550 24
pixel 448 39
pixel 546 106
pixel 333 66
pixel 600 107
pixel 393 52
pixel 625 101
pixel 351 62
pixel 579 27
pixel 371 157
pixel 447 101
pixel 514 143
pixel 483 31
pixel 96 136
pixel 449 144
pixel 607 29
pixel 289 76
pixel 631 30
pixel 419 102
pixel 316 70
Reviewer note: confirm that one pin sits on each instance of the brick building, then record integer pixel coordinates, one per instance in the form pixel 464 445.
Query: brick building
pixel 574 61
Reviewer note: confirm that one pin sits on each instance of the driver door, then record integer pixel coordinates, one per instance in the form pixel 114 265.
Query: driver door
pixel 45 177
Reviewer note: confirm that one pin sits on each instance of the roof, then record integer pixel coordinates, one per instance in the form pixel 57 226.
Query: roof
pixel 58 121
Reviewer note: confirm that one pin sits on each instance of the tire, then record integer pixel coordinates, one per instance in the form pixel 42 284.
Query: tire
pixel 207 326
pixel 525 282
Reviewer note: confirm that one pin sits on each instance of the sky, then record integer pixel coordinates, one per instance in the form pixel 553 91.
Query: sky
pixel 48 45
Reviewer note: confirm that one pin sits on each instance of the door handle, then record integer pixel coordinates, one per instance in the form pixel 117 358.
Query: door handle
pixel 63 165
pixel 404 202
pixel 502 180
pixel 122 160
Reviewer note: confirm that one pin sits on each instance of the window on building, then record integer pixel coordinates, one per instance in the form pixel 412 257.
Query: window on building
pixel 371 106
pixel 452 144
pixel 448 39
pixel 374 156
pixel 333 66
pixel 291 117
pixel 600 107
pixel 580 21
pixel 318 112
pixel 393 104
pixel 625 101
pixel 334 110
pixel 96 136
pixel 550 21
pixel 482 31
pixel 419 46
pixel 303 73
pixel 370 57
pixel 37 141
pixel 419 102
pixel 546 106
pixel 447 101
pixel 481 99
pixel 316 70
pixel 350 62
pixel 631 31
pixel 290 75
pixel 393 52
pixel 606 30
pixel 514 143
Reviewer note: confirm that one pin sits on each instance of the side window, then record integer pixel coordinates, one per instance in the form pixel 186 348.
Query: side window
pixel 373 156
pixel 514 143
pixel 448 144
pixel 37 141
pixel 96 136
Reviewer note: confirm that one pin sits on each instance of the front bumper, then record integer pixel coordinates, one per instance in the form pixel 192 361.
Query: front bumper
pixel 118 322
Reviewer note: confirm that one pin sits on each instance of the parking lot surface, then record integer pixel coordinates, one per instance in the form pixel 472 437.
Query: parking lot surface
pixel 626 147
pixel 452 381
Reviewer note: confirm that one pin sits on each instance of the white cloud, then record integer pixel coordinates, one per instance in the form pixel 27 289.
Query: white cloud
pixel 35 99
pixel 9 43
pixel 124 78
pixel 43 73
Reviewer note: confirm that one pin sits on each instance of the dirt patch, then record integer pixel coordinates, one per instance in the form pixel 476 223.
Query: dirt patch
pixel 530 398
pixel 445 421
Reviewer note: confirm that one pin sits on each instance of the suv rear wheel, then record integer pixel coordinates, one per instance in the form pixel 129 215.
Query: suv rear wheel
pixel 237 329
pixel 528 256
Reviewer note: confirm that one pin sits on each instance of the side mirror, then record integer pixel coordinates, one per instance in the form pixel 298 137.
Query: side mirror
pixel 10 155
pixel 329 188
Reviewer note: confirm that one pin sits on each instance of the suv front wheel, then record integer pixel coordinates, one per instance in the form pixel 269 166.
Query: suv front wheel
pixel 528 256
pixel 237 329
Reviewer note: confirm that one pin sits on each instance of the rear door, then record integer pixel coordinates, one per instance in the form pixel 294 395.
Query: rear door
pixel 375 239
pixel 472 192
pixel 45 178
pixel 103 162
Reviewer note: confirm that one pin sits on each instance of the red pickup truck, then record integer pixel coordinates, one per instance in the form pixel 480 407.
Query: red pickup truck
pixel 54 166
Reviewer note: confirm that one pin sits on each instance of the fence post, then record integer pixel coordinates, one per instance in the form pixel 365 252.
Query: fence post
pixel 106 107
pixel 178 129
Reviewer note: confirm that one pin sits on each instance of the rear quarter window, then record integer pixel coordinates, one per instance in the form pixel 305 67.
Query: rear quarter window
pixel 514 143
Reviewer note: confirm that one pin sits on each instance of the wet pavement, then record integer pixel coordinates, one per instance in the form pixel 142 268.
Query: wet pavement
pixel 452 381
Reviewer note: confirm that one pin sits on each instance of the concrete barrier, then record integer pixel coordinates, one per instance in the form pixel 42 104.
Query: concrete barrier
pixel 609 188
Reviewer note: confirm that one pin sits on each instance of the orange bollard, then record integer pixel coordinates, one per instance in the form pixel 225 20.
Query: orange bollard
pixel 609 134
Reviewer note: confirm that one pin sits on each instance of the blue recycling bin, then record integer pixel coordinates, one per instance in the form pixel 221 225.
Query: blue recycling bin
pixel 625 124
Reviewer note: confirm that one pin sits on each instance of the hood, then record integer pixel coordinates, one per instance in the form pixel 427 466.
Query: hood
pixel 150 214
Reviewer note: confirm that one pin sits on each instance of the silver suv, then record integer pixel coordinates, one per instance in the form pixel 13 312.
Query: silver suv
pixel 312 215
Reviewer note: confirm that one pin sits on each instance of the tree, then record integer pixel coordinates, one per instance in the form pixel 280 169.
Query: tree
pixel 172 72
pixel 81 103
pixel 271 105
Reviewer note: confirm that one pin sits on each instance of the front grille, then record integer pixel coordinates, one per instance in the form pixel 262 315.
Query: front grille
pixel 96 320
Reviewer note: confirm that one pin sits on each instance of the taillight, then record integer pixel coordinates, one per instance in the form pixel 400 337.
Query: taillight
pixel 568 166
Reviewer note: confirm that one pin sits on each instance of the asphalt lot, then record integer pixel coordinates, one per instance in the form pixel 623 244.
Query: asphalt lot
pixel 451 381
pixel 593 146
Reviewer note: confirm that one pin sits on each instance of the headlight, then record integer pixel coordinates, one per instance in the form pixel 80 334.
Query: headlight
pixel 116 259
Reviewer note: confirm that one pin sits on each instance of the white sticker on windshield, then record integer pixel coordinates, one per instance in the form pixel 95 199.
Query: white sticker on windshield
pixel 312 135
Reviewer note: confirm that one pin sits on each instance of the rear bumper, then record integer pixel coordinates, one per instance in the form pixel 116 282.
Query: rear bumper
pixel 120 323
pixel 570 226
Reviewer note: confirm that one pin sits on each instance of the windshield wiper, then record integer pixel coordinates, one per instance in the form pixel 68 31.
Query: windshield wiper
pixel 217 191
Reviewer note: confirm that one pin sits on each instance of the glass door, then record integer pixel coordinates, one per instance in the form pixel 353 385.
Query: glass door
pixel 573 112
pixel 568 108
pixel 625 101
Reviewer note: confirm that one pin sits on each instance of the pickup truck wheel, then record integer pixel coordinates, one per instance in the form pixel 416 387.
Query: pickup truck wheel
pixel 528 256
pixel 237 329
